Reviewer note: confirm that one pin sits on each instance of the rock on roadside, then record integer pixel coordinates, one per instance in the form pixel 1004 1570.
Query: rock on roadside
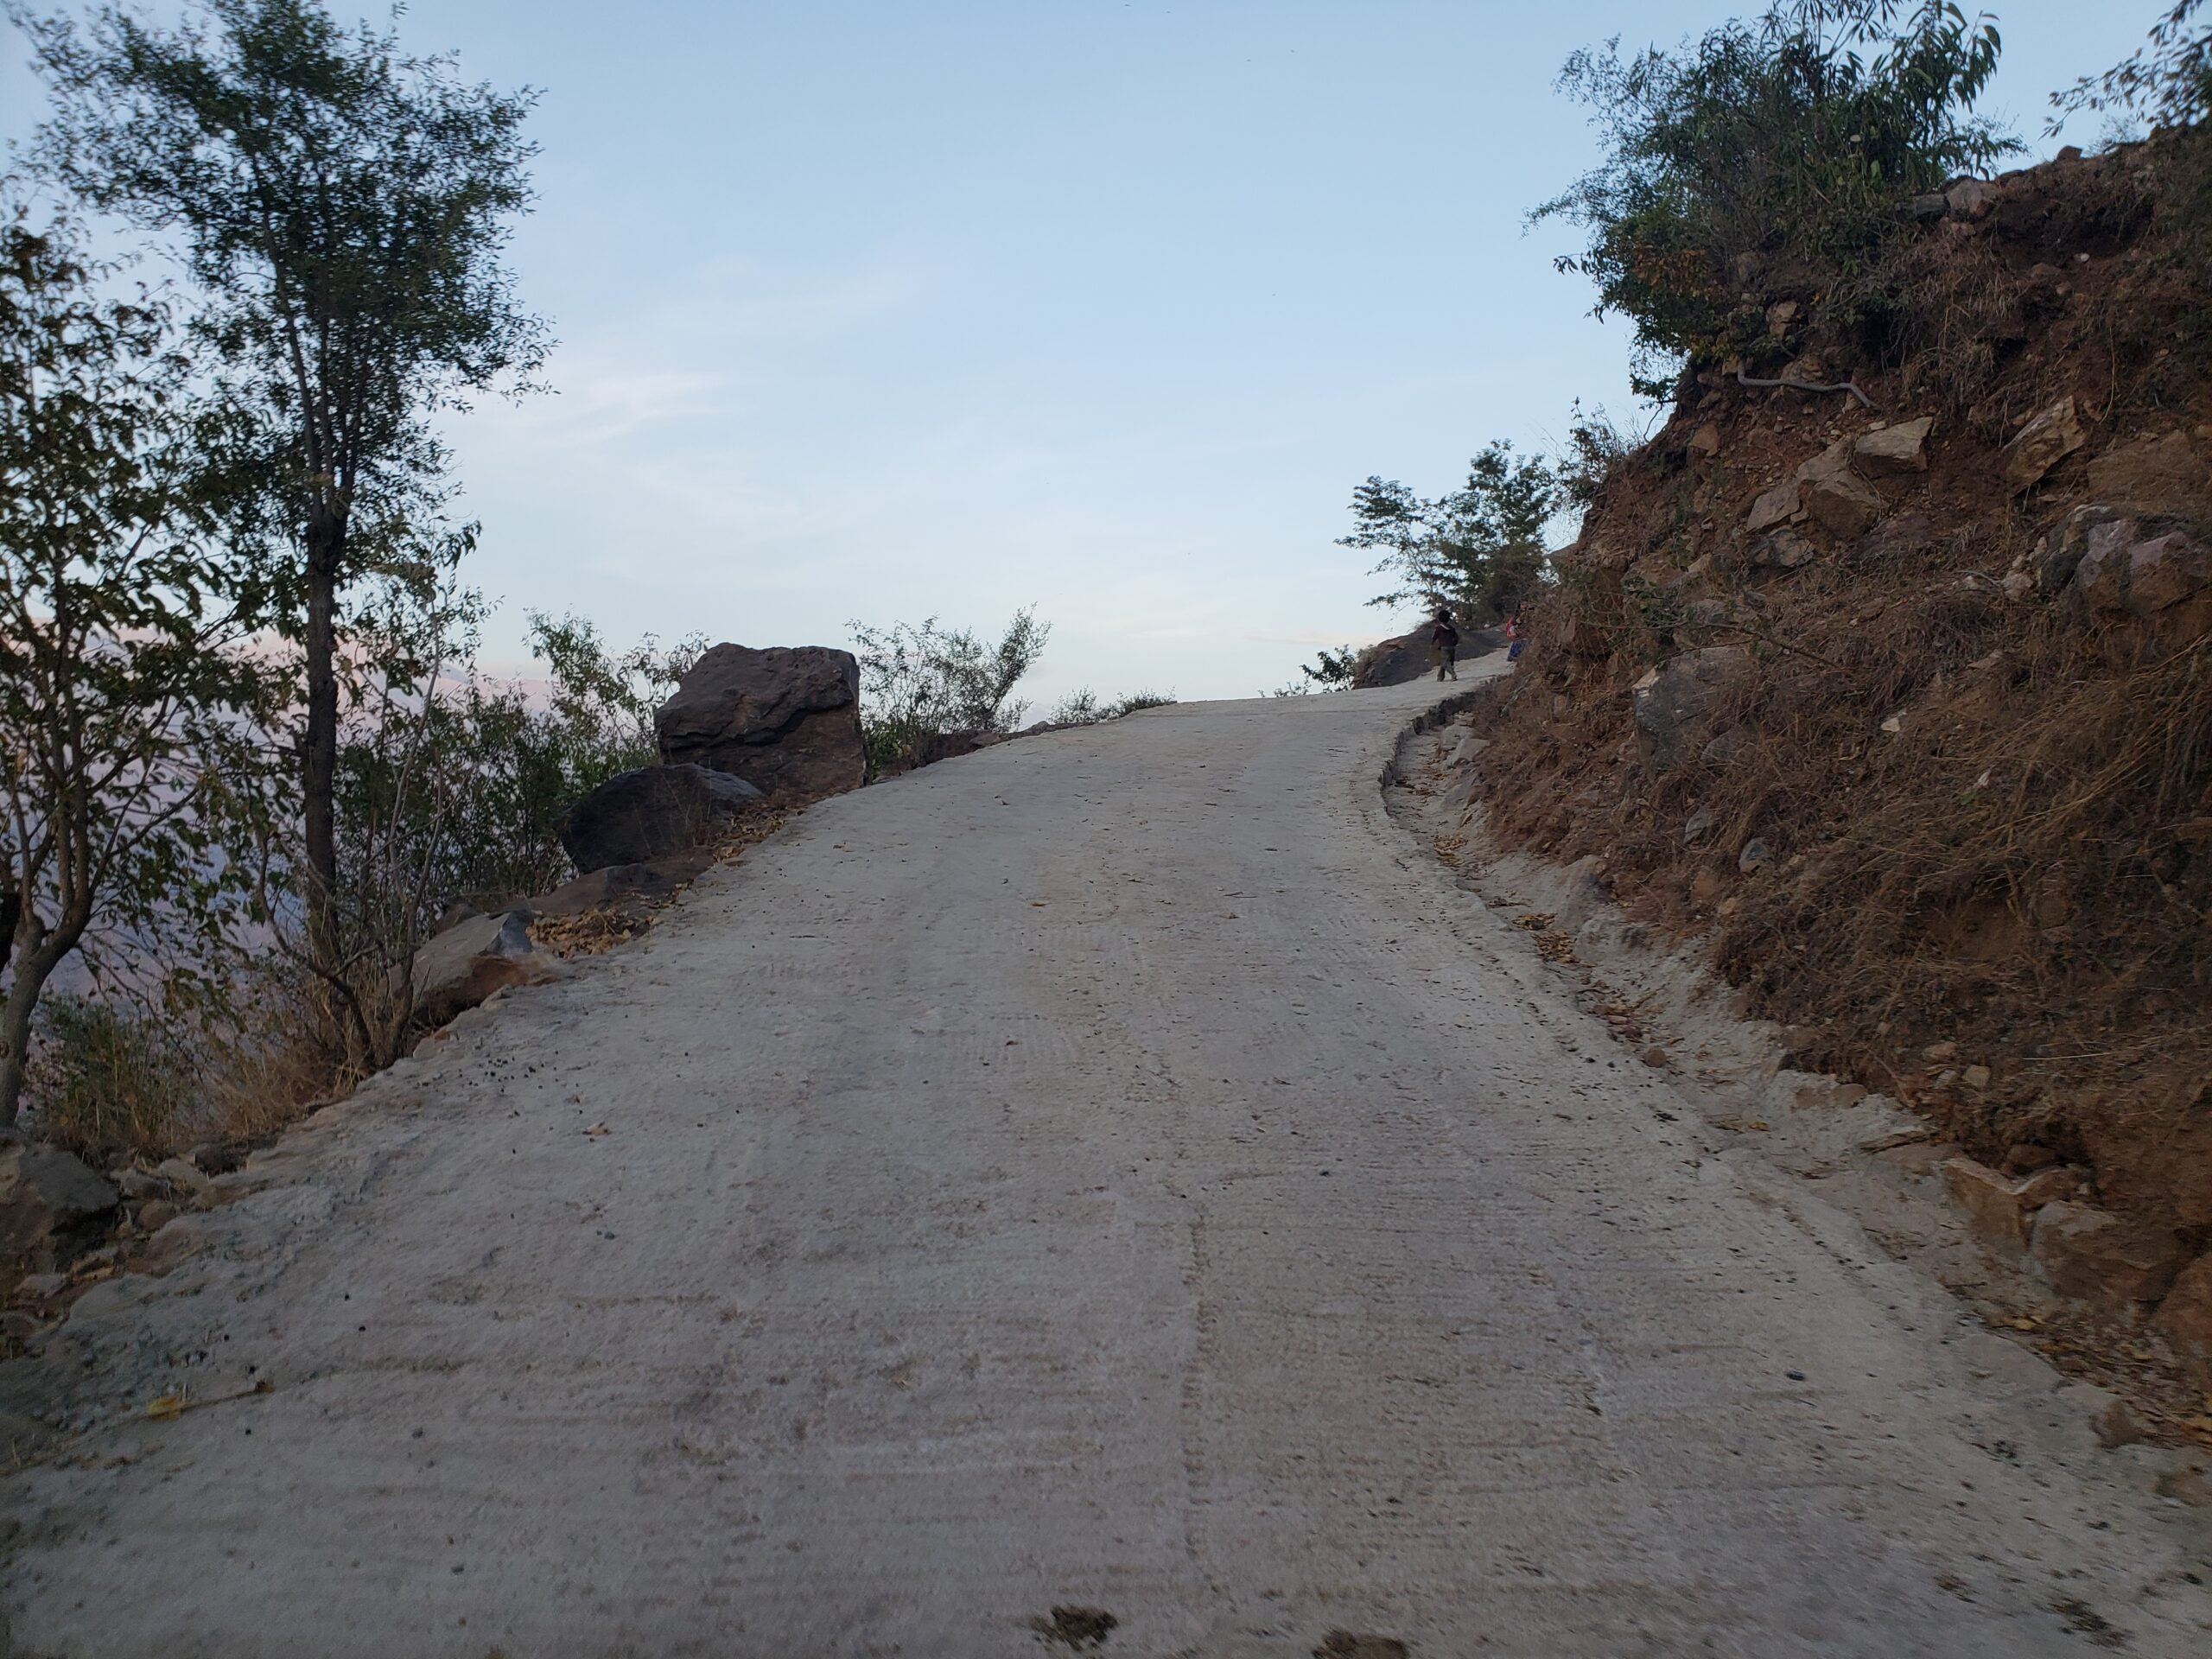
pixel 44 1192
pixel 635 817
pixel 470 960
pixel 624 885
pixel 786 720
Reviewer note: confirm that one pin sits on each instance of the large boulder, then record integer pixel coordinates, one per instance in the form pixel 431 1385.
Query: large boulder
pixel 1406 657
pixel 637 816
pixel 787 720
pixel 45 1194
pixel 2158 581
pixel 469 961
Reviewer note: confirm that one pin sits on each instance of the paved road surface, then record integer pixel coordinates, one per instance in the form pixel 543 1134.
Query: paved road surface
pixel 1120 1170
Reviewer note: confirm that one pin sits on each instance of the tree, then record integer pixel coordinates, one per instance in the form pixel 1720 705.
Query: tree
pixel 344 211
pixel 130 708
pixel 2170 78
pixel 1478 552
pixel 1790 141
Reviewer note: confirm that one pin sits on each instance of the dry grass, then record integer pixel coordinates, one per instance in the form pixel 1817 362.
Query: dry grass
pixel 2024 866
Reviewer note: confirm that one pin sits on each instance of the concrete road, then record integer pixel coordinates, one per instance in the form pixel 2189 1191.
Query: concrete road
pixel 1120 1170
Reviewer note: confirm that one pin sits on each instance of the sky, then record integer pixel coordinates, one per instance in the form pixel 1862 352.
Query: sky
pixel 881 312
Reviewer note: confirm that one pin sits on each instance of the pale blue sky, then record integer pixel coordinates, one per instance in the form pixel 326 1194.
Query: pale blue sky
pixel 882 310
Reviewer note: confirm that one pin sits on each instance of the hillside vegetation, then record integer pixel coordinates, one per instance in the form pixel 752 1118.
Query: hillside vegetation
pixel 1901 690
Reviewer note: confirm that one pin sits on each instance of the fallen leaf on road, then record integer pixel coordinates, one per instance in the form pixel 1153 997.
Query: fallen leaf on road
pixel 165 1408
pixel 599 1128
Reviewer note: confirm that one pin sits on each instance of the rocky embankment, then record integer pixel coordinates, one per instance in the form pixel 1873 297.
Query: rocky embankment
pixel 1897 695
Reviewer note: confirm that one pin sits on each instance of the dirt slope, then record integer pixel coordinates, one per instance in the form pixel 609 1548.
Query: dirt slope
pixel 1944 801
pixel 1116 1171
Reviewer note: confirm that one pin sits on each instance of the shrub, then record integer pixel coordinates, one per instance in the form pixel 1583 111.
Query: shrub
pixel 105 1081
pixel 1766 156
pixel 916 681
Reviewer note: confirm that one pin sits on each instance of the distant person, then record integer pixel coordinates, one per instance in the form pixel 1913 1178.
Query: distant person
pixel 1444 641
pixel 1515 639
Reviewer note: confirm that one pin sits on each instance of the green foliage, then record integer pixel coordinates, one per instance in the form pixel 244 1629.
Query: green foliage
pixel 2169 79
pixel 1596 445
pixel 1332 670
pixel 1478 552
pixel 128 703
pixel 1788 143
pixel 343 211
pixel 107 1080
pixel 1084 707
pixel 919 681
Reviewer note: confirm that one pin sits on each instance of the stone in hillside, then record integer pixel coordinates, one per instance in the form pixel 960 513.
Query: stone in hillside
pixel 1704 442
pixel 2047 439
pixel 625 885
pixel 2060 554
pixel 1888 451
pixel 2000 1209
pixel 2097 1255
pixel 1842 503
pixel 473 959
pixel 1776 506
pixel 1672 703
pixel 2185 1318
pixel 2163 582
pixel 44 1192
pixel 1785 550
pixel 787 720
pixel 2153 475
pixel 1970 199
pixel 649 812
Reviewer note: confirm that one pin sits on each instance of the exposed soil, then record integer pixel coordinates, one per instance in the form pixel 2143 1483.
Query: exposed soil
pixel 1931 802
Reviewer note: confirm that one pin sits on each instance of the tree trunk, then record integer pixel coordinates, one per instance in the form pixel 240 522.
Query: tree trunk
pixel 33 967
pixel 318 747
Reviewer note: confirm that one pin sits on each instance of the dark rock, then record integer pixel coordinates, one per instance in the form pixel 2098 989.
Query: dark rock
pixel 646 882
pixel 1672 703
pixel 950 745
pixel 46 1195
pixel 2062 551
pixel 1785 550
pixel 638 815
pixel 786 720
pixel 2161 581
pixel 1396 661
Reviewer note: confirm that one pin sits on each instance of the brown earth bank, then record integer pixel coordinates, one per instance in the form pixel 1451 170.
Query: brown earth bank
pixel 1907 704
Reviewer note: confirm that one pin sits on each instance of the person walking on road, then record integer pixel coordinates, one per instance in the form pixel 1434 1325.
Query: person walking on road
pixel 1444 642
